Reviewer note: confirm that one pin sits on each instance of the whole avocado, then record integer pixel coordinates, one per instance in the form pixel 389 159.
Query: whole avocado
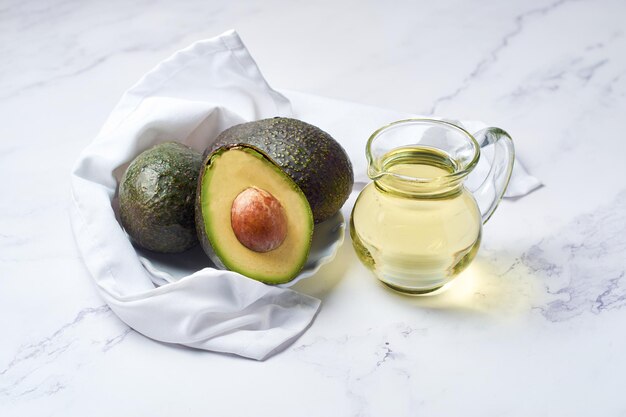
pixel 157 198
pixel 311 157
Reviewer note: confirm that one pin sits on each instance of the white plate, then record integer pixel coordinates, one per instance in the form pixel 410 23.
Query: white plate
pixel 165 268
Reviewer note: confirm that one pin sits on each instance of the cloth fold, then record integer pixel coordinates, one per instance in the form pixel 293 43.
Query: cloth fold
pixel 191 97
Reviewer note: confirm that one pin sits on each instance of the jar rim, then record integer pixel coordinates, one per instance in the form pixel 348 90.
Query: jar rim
pixel 375 172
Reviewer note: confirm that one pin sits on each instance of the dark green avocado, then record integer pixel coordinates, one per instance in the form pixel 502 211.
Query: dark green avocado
pixel 157 198
pixel 311 157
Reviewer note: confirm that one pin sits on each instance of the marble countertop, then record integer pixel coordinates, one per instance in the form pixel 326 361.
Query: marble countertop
pixel 534 327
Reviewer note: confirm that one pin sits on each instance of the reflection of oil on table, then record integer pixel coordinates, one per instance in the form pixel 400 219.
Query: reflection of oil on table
pixel 532 327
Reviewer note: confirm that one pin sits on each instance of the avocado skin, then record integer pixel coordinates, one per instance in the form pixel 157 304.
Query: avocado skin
pixel 157 198
pixel 311 157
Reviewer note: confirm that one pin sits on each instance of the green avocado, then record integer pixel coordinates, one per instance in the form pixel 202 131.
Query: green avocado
pixel 157 198
pixel 310 156
pixel 251 217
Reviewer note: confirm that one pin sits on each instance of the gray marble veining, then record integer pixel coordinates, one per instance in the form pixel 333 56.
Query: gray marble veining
pixel 36 370
pixel 534 326
pixel 583 265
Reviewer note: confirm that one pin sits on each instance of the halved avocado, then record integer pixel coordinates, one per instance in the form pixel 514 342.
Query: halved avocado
pixel 310 156
pixel 251 217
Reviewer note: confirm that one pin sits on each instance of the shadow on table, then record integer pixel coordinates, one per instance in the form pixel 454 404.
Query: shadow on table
pixel 329 275
pixel 495 285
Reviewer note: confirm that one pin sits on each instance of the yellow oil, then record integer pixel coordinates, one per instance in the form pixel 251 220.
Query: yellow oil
pixel 416 236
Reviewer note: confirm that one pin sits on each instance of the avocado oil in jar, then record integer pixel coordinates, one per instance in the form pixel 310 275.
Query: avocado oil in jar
pixel 416 226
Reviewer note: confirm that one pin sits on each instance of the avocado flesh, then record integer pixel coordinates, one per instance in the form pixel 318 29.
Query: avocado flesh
pixel 310 156
pixel 226 173
pixel 157 196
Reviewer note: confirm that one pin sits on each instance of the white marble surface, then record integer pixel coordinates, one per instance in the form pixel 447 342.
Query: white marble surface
pixel 534 327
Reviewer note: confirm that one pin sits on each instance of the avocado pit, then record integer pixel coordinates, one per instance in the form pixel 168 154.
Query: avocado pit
pixel 258 220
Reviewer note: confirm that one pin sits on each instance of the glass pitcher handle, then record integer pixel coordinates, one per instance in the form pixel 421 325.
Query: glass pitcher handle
pixel 491 191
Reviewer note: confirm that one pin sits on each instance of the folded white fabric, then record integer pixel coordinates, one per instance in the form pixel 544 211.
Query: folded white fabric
pixel 191 97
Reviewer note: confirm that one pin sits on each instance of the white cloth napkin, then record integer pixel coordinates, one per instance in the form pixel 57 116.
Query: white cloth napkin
pixel 191 97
